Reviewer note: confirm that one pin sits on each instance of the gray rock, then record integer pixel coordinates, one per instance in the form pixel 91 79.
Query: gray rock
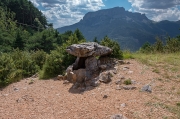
pixel 92 68
pixel 125 68
pixel 129 87
pixel 69 69
pixel 60 77
pixel 105 77
pixel 103 67
pixel 117 82
pixel 114 71
pixel 133 82
pixel 130 72
pixel 122 77
pixel 66 82
pixel 95 83
pixel 123 105
pixel 118 87
pixel 88 49
pixel 121 62
pixel 76 85
pixel 16 89
pixel 71 76
pixel 118 116
pixel 80 75
pixel 128 63
pixel 35 76
pixel 147 88
pixel 91 64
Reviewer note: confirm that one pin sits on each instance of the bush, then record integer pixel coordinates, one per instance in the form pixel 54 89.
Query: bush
pixel 117 53
pixel 127 82
pixel 127 55
pixel 172 45
pixel 39 57
pixel 158 45
pixel 18 64
pixel 58 60
pixel 146 48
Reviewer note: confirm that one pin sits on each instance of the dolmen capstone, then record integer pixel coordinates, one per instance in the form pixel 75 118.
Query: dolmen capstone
pixel 91 65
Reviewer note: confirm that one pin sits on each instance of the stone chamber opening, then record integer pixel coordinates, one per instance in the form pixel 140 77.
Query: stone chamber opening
pixel 80 63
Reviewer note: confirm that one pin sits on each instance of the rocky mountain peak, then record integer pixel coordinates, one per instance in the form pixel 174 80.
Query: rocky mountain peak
pixel 105 12
pixel 130 29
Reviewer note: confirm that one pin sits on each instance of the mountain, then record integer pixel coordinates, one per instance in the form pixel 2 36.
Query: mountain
pixel 131 30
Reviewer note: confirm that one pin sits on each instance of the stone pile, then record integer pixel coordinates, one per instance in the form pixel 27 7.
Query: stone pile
pixel 92 64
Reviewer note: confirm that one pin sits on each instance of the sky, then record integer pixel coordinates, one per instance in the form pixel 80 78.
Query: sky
pixel 67 12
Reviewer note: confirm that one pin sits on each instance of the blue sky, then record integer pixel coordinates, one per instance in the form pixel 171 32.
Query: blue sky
pixel 114 3
pixel 66 12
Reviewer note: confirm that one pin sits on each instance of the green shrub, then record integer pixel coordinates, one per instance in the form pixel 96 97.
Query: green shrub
pixel 146 48
pixel 117 53
pixel 24 62
pixel 18 64
pixel 178 104
pixel 58 60
pixel 172 45
pixel 127 82
pixel 127 55
pixel 39 57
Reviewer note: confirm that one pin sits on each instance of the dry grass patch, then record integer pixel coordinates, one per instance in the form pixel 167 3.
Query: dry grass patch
pixel 155 59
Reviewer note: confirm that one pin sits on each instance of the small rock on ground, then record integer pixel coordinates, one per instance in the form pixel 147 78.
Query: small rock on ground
pixel 147 88
pixel 118 116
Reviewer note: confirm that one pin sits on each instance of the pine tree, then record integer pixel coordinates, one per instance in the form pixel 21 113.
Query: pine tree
pixel 19 42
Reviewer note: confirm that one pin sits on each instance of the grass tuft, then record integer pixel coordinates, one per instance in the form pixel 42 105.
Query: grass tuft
pixel 127 82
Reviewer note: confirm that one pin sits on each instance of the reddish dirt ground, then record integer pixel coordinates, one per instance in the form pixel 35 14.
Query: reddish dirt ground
pixel 52 99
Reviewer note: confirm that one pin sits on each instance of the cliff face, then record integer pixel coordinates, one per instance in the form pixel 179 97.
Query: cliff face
pixel 131 30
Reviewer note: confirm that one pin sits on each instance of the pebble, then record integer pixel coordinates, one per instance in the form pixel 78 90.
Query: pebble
pixel 105 96
pixel 123 105
pixel 125 68
pixel 118 87
pixel 118 82
pixel 130 72
pixel 147 88
pixel 16 89
pixel 129 87
pixel 118 116
pixel 6 94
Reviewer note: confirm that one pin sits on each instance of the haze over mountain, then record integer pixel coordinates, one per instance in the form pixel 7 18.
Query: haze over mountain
pixel 131 30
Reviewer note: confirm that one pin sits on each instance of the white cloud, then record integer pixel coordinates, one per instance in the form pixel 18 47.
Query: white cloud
pixel 158 10
pixel 67 12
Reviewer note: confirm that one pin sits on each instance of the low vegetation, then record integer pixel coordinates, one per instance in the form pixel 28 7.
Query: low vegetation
pixel 127 82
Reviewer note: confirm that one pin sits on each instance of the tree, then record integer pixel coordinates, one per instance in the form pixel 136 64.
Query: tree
pixel 172 45
pixel 26 13
pixel 19 42
pixel 116 53
pixel 95 40
pixel 79 34
pixel 146 48
pixel 158 45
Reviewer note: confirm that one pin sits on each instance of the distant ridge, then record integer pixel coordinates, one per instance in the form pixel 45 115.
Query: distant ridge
pixel 131 30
